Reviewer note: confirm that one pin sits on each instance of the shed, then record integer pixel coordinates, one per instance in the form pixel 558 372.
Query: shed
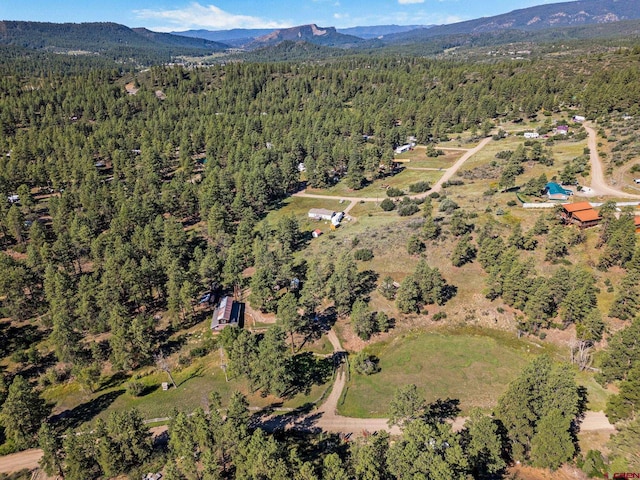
pixel 316 233
pixel 321 213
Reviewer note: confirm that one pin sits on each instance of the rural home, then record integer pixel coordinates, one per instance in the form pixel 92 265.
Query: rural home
pixel 562 129
pixel 227 313
pixel 578 118
pixel 402 149
pixel 581 214
pixel 321 214
pixel 531 135
pixel 555 192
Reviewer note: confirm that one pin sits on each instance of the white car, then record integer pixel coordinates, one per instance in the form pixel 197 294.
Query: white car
pixel 637 180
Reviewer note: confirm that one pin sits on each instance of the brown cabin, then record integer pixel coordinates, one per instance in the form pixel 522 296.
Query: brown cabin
pixel 581 214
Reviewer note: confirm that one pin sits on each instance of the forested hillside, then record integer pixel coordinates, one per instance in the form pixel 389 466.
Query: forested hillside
pixel 125 197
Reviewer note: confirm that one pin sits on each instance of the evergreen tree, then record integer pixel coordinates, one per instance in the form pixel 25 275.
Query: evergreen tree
pixel 22 413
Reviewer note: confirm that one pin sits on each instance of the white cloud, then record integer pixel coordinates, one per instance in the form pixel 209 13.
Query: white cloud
pixel 340 16
pixel 408 2
pixel 200 16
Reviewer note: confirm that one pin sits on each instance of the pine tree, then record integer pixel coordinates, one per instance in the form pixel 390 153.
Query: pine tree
pixel 22 413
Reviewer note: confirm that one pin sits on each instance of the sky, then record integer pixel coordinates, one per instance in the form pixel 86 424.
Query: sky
pixel 178 15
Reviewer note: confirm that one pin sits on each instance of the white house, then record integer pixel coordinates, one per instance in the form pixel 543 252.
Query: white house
pixel 531 135
pixel 402 149
pixel 578 118
pixel 321 214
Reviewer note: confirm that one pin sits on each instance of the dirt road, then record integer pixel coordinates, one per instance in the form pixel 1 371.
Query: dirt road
pixel 598 183
pixel 449 172
pixel 18 461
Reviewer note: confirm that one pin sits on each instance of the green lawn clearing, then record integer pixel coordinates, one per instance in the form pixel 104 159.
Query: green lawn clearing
pixel 471 365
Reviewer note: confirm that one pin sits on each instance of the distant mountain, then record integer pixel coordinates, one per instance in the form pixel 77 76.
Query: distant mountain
pixel 238 37
pixel 235 37
pixel 377 31
pixel 554 15
pixel 328 37
pixel 181 41
pixel 109 39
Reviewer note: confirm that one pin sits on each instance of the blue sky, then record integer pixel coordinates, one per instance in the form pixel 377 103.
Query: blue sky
pixel 170 15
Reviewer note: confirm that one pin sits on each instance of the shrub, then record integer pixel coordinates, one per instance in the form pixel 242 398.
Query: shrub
pixel 365 364
pixel 419 187
pixel 415 245
pixel 434 195
pixel 408 209
pixel 512 203
pixel 135 389
pixel 394 192
pixel 364 254
pixel 387 205
pixel 439 316
pixel 452 183
pixel 448 205
pixel 197 352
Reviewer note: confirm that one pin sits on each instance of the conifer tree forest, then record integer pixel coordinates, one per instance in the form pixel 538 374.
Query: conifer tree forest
pixel 127 194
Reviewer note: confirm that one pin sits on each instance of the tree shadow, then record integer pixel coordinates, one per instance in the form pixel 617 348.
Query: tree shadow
pixel 442 410
pixel 308 370
pixel 18 338
pixel 198 372
pixel 448 292
pixel 367 281
pixel 115 380
pixel 85 412
pixel 40 367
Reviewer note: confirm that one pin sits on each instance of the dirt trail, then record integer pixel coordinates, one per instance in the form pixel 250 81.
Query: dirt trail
pixel 598 182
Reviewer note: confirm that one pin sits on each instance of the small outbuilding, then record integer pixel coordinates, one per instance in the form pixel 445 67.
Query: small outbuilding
pixel 316 233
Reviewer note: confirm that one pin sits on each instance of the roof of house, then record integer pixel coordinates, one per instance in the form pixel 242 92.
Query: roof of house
pixel 320 212
pixel 553 189
pixel 576 207
pixel 636 220
pixel 223 315
pixel 317 231
pixel 586 215
pixel 563 127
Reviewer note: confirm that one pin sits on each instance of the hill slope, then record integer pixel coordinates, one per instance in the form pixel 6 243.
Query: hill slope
pixel 555 15
pixel 109 39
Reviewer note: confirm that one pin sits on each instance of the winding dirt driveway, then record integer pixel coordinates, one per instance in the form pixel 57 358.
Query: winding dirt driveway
pixel 435 188
pixel 327 418
pixel 598 183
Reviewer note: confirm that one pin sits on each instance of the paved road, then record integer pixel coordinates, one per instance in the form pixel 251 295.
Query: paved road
pixel 598 182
